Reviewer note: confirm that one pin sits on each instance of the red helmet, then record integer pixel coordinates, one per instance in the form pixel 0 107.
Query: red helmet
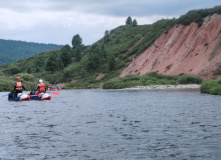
pixel 18 78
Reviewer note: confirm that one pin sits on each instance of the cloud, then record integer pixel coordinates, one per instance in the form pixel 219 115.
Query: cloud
pixel 57 21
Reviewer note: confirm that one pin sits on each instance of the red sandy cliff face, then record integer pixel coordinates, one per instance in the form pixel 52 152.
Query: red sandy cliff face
pixel 184 49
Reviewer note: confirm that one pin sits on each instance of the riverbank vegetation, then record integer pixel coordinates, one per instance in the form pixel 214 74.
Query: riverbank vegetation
pixel 152 78
pixel 211 87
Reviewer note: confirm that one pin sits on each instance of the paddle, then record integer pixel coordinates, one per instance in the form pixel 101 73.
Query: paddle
pixel 6 94
pixel 55 93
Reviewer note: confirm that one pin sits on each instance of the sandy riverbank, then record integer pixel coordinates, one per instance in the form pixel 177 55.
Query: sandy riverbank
pixel 184 86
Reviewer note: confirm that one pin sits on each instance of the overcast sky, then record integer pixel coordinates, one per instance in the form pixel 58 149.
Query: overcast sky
pixel 57 21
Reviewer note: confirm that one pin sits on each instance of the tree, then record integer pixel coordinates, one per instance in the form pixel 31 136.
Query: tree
pixel 129 21
pixel 83 72
pixel 106 33
pixel 94 62
pixel 95 58
pixel 38 62
pixel 66 48
pixel 106 36
pixel 111 62
pixel 67 75
pixel 37 69
pixel 134 23
pixel 66 55
pixel 50 63
pixel 54 63
pixel 29 70
pixel 78 54
pixel 104 51
pixel 76 41
pixel 14 70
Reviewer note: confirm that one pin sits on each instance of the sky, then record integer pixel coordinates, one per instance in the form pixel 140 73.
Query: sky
pixel 57 21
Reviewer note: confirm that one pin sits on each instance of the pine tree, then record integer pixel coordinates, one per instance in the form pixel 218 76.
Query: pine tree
pixel 106 36
pixel 134 23
pixel 129 21
pixel 76 41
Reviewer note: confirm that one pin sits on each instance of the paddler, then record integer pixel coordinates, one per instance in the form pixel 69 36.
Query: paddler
pixel 41 87
pixel 18 86
pixel 58 88
pixel 50 87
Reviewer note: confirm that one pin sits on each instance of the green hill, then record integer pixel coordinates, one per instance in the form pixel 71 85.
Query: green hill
pixel 80 66
pixel 12 51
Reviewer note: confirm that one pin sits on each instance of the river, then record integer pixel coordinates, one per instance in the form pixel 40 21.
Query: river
pixel 113 125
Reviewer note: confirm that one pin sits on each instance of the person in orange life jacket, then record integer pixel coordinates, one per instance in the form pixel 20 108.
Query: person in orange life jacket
pixel 41 87
pixel 18 86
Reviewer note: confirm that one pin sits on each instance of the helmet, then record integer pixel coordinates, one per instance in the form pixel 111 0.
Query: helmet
pixel 18 78
pixel 40 81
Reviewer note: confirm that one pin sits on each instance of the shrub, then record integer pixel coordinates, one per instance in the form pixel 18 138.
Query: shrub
pixel 206 85
pixel 30 86
pixel 6 84
pixel 189 79
pixel 129 81
pixel 211 87
pixel 66 75
pixel 152 74
pixel 216 90
pixel 27 77
pixel 12 70
pixel 131 78
pixel 115 83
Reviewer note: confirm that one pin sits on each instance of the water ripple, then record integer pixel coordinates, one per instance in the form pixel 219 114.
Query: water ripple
pixel 113 124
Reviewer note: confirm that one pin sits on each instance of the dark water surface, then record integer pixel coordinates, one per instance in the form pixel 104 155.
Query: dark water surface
pixel 113 124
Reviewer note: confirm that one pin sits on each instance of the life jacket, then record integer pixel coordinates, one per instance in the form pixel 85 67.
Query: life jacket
pixel 41 87
pixel 18 86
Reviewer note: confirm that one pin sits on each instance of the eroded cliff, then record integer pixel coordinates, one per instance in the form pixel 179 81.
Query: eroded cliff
pixel 183 49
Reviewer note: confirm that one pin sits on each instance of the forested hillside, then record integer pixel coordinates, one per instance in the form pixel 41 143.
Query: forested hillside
pixel 12 51
pixel 82 66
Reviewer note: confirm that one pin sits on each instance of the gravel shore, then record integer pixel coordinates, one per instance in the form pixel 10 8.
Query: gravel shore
pixel 184 86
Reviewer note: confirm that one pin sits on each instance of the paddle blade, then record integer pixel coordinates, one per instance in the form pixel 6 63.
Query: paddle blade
pixel 55 93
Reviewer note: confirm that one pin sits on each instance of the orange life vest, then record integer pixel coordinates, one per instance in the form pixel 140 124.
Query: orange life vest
pixel 41 87
pixel 18 86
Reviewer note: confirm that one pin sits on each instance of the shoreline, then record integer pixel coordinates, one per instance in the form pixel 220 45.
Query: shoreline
pixel 179 86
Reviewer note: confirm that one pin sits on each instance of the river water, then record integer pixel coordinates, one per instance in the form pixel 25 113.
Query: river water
pixel 112 124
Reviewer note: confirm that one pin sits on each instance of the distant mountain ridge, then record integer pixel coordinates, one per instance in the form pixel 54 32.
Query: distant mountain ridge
pixel 13 50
